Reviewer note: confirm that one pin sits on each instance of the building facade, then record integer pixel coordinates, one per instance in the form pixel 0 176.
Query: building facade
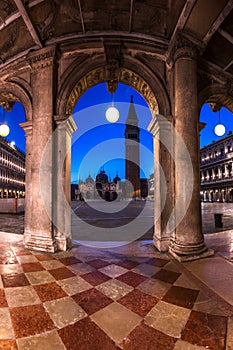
pixel 100 188
pixel 12 170
pixel 216 171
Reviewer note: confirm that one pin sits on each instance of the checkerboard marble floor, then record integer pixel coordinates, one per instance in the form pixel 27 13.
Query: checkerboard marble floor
pixel 84 300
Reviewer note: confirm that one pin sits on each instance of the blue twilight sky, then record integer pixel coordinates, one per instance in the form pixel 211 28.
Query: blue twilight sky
pixel 98 143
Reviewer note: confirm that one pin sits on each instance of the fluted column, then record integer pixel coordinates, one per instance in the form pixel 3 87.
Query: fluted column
pixel 162 130
pixel 188 243
pixel 39 235
pixel 62 190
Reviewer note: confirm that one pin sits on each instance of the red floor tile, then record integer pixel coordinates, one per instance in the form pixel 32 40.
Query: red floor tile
pixel 97 263
pixel 30 320
pixel 85 335
pixel 167 276
pixel 3 301
pixel 206 330
pixel 15 280
pixel 61 273
pixel 49 291
pixel 131 278
pixel 44 257
pixel 20 250
pixel 92 300
pixel 144 337
pixel 180 296
pixel 128 264
pixel 157 262
pixel 70 260
pixel 138 302
pixel 95 278
pixel 32 267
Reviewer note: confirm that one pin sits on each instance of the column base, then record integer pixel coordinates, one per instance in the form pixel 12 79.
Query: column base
pixel 162 244
pixel 184 253
pixel 40 243
pixel 63 243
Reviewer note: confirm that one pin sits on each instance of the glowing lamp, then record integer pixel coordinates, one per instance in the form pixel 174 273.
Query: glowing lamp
pixel 4 130
pixel 219 130
pixel 112 114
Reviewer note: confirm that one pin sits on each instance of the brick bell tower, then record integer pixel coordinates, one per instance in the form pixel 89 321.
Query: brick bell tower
pixel 132 153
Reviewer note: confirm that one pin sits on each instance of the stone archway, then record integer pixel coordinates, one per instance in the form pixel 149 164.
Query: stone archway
pixel 10 93
pixel 69 96
pixel 98 76
pixel 218 94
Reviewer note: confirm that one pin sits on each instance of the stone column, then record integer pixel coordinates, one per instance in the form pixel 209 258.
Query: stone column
pixel 188 243
pixel 39 234
pixel 62 183
pixel 27 127
pixel 161 128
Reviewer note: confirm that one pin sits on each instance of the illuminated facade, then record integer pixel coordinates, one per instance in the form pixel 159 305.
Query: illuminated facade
pixel 12 171
pixel 101 187
pixel 217 171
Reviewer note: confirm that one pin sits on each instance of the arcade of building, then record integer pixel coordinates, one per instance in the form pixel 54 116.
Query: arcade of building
pixel 52 52
pixel 217 171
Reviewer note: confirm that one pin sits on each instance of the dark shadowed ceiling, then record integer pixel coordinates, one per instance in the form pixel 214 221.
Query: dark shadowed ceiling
pixel 26 25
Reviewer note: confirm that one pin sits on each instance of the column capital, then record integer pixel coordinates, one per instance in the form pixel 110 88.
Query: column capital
pixel 58 119
pixel 42 58
pixel 184 45
pixel 160 123
pixel 26 126
pixel 67 123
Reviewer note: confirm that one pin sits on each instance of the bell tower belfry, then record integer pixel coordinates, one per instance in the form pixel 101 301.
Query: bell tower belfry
pixel 132 153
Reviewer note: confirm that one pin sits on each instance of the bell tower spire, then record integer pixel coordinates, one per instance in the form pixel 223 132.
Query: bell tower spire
pixel 132 156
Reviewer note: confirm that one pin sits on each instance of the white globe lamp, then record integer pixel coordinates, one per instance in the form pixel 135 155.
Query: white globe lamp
pixel 219 130
pixel 112 114
pixel 4 130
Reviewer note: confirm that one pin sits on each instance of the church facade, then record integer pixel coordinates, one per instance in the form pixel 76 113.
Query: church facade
pixel 100 188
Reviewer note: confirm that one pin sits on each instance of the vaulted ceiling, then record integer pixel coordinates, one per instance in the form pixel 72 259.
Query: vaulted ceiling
pixel 26 25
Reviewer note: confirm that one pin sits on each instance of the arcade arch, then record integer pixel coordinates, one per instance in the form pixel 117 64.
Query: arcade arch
pixel 56 85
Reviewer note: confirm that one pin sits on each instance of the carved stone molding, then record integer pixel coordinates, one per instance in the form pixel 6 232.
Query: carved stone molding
pixel 42 58
pixel 98 76
pixel 7 100
pixel 219 100
pixel 113 57
pixel 94 77
pixel 184 45
pixel 134 80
